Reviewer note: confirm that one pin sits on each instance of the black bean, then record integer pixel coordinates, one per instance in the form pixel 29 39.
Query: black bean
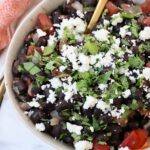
pixel 35 90
pixel 24 98
pixel 115 140
pixel 24 106
pixel 62 105
pixel 42 41
pixel 56 15
pixel 132 125
pixel 77 97
pixel 118 102
pixel 88 112
pixel 143 122
pixel 88 16
pixel 68 139
pixel 56 131
pixel 22 58
pixel 15 68
pixel 114 128
pixel 19 86
pixel 60 95
pixel 102 137
pixel 89 2
pixel 47 108
pixel 46 92
pixel 37 115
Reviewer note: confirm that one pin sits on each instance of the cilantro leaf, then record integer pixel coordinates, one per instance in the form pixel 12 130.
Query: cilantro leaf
pixel 135 62
pixel 103 79
pixel 49 49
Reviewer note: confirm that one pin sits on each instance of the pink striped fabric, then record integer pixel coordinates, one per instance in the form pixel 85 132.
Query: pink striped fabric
pixel 10 11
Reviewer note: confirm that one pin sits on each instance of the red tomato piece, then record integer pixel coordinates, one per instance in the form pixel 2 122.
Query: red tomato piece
pixel 148 64
pixel 146 21
pixel 112 8
pixel 97 146
pixel 45 23
pixel 30 50
pixel 145 6
pixel 135 139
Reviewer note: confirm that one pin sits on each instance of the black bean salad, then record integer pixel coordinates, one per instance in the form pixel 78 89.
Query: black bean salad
pixel 91 91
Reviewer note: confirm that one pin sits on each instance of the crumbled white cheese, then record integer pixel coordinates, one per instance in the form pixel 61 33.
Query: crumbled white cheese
pixel 90 102
pixel 102 86
pixel 62 68
pixel 73 25
pixel 126 93
pixel 38 96
pixel 40 33
pixel 40 127
pixel 117 113
pixel 70 52
pixel 92 129
pixel 124 31
pixel 146 73
pixel 34 104
pixel 52 40
pixel 85 62
pixel 148 96
pixel 83 145
pixel 107 60
pixel 103 106
pixel 69 89
pixel 101 35
pixel 116 18
pixel 55 82
pixel 52 97
pixel 124 148
pixel 74 128
pixel 80 14
pixel 106 22
pixel 145 34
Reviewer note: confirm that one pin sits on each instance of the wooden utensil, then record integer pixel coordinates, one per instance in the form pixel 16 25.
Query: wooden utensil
pixel 97 13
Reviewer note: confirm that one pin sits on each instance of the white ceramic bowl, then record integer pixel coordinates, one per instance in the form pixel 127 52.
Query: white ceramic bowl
pixel 24 28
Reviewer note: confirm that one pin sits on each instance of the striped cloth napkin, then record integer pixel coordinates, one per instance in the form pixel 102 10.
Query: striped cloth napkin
pixel 14 135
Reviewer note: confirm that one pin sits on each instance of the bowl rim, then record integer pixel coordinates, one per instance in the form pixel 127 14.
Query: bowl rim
pixel 8 77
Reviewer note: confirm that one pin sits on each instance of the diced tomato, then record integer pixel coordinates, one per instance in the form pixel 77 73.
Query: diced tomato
pixel 146 6
pixel 97 146
pixel 146 21
pixel 30 50
pixel 148 64
pixel 131 8
pixel 135 139
pixel 112 8
pixel 45 23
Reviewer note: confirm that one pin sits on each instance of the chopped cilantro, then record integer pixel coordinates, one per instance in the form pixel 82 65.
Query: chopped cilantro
pixel 49 49
pixel 124 82
pixel 103 79
pixel 135 62
pixel 144 47
pixel 102 143
pixel 135 29
pixel 134 104
pixel 128 15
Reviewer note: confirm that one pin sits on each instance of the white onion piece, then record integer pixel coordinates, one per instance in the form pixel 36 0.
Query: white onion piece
pixel 139 1
pixel 77 5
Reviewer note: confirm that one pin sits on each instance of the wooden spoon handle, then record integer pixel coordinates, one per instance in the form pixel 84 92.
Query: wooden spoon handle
pixel 99 8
